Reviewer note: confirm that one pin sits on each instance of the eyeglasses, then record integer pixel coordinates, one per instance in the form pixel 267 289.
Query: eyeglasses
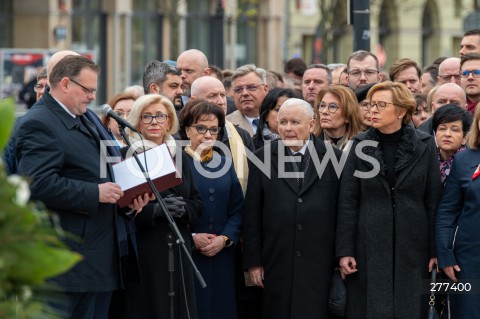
pixel 123 114
pixel 250 87
pixel 202 129
pixel 85 89
pixel 365 105
pixel 466 73
pixel 332 107
pixel 448 77
pixel 357 73
pixel 380 105
pixel 160 118
pixel 39 87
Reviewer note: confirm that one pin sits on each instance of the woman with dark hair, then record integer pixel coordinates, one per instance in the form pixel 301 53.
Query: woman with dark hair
pixel 389 192
pixel 450 124
pixel 217 231
pixel 458 222
pixel 267 125
pixel 338 115
pixel 422 111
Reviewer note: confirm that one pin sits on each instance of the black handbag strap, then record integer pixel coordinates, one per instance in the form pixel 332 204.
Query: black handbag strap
pixel 432 291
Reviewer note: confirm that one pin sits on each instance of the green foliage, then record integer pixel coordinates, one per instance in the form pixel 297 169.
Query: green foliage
pixel 30 247
pixel 7 117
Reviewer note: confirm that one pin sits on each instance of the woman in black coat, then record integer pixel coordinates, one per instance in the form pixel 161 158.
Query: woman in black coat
pixel 389 192
pixel 154 116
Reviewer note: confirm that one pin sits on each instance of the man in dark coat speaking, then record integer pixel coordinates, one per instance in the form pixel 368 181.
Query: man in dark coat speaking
pixel 59 149
pixel 290 216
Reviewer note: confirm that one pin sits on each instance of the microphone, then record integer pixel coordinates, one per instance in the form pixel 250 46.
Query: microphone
pixel 107 110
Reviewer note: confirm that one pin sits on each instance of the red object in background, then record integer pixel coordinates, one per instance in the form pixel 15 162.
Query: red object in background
pixel 26 59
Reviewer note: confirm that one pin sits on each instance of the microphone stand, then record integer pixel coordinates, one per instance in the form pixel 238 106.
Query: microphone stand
pixel 173 226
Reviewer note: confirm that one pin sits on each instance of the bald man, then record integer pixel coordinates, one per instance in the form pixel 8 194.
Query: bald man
pixel 212 90
pixel 448 93
pixel 449 71
pixel 193 64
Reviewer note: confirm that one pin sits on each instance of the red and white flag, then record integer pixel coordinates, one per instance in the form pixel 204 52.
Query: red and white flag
pixel 476 173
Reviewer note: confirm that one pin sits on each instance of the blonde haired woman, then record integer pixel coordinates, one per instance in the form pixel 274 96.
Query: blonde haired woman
pixel 338 115
pixel 154 117
pixel 386 217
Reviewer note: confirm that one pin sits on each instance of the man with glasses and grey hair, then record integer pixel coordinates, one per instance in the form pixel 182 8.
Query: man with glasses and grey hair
pixel 363 69
pixel 163 78
pixel 316 77
pixel 250 87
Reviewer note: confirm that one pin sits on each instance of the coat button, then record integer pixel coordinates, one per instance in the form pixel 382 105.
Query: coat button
pixel 210 218
pixel 299 253
pixel 211 190
pixel 300 227
pixel 300 200
pixel 211 198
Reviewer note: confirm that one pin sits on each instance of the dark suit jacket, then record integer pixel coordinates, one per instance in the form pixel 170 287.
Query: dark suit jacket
pixel 291 233
pixel 427 126
pixel 61 157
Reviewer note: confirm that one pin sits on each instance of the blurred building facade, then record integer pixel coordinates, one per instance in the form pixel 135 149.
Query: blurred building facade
pixel 125 35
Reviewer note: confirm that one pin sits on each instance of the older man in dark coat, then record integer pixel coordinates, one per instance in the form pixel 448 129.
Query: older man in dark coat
pixel 289 223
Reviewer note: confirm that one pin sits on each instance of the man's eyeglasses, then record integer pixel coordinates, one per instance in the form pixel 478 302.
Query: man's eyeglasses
pixel 358 73
pixel 202 129
pixel 250 87
pixel 380 105
pixel 85 89
pixel 448 77
pixel 466 73
pixel 332 107
pixel 38 87
pixel 160 118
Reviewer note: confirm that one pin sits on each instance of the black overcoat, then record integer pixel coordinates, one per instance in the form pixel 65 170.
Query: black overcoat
pixel 149 298
pixel 389 231
pixel 291 233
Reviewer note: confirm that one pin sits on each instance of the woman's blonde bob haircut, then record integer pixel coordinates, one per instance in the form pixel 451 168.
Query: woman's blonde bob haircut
pixel 146 100
pixel 473 136
pixel 402 98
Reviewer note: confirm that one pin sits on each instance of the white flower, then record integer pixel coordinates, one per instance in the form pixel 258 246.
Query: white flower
pixel 23 191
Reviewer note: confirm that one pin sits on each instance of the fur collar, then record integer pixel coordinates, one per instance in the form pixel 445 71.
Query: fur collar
pixel 407 150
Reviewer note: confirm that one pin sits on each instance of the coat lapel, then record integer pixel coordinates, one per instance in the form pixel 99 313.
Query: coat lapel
pixel 287 167
pixel 311 174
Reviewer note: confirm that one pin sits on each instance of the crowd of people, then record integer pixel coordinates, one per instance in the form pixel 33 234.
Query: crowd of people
pixel 285 178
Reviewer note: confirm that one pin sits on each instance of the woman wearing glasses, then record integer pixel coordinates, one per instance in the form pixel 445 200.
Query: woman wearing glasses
pixel 217 231
pixel 154 117
pixel 338 114
pixel 390 189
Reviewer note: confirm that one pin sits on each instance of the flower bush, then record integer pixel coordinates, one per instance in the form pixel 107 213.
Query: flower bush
pixel 31 249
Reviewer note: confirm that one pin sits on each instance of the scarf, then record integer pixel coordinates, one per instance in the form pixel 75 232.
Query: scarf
pixel 268 135
pixel 445 165
pixel 201 158
pixel 239 156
